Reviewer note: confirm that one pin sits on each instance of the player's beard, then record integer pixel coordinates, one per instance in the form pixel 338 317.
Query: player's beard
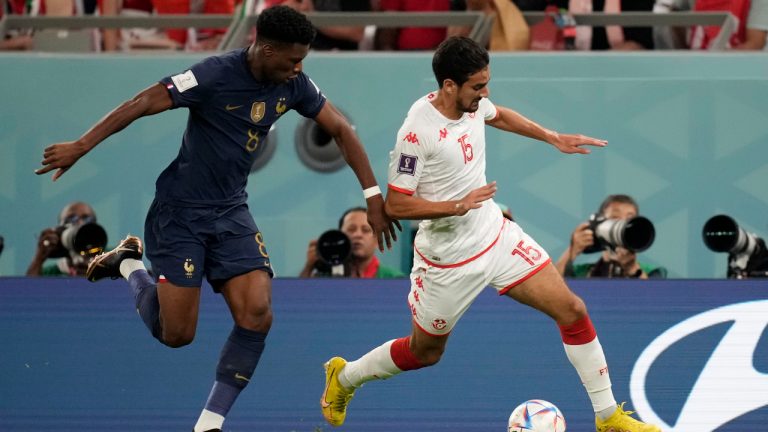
pixel 472 107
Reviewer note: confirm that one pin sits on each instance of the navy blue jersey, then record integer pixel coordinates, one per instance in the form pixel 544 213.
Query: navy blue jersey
pixel 230 113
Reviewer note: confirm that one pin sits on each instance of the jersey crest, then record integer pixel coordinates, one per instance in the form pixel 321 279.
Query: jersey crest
pixel 257 111
pixel 280 107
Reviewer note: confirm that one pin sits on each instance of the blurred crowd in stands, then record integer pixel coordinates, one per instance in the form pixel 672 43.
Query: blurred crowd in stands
pixel 508 32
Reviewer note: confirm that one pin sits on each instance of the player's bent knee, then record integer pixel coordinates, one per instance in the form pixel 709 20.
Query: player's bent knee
pixel 572 309
pixel 178 339
pixel 577 306
pixel 176 342
pixel 255 318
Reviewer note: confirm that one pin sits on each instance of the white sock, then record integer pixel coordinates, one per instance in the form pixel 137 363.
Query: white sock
pixel 130 265
pixel 208 420
pixel 604 414
pixel 376 364
pixel 590 364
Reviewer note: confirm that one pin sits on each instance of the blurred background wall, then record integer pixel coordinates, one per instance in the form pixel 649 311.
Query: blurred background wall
pixel 686 132
pixel 78 358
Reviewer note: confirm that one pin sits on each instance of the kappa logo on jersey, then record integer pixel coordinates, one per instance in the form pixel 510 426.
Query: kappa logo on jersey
pixel 419 282
pixel 257 111
pixel 412 138
pixel 185 81
pixel 407 164
pixel 443 134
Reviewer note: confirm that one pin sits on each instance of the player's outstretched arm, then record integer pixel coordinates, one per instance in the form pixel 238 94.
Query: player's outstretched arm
pixel 61 156
pixel 404 206
pixel 334 123
pixel 511 121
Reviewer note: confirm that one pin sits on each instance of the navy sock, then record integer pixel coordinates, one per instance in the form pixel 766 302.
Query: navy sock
pixel 145 292
pixel 237 362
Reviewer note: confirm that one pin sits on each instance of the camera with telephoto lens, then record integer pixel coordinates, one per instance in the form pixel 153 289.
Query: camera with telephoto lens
pixel 333 248
pixel 635 234
pixel 747 254
pixel 85 239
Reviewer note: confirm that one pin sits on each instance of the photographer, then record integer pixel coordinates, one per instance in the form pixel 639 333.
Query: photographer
pixel 362 261
pixel 618 262
pixel 747 253
pixel 77 251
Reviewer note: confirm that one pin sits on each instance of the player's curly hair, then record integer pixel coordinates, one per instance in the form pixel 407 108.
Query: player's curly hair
pixel 457 58
pixel 283 24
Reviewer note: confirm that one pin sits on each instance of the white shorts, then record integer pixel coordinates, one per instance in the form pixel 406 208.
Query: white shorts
pixel 441 294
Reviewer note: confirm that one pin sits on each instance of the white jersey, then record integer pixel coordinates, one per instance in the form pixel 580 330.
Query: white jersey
pixel 439 159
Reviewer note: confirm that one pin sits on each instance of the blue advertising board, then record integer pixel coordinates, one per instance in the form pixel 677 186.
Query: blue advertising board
pixel 690 355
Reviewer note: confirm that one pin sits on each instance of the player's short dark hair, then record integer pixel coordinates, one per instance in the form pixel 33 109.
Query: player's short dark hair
pixel 457 58
pixel 352 210
pixel 617 198
pixel 283 24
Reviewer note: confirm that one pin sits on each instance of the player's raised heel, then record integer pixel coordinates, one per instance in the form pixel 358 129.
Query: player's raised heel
pixel 621 420
pixel 335 397
pixel 108 263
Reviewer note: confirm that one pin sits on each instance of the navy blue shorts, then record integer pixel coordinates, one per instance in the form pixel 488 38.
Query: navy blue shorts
pixel 185 243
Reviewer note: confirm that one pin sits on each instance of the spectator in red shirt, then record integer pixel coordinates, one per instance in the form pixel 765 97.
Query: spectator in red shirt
pixel 15 41
pixel 207 39
pixel 412 38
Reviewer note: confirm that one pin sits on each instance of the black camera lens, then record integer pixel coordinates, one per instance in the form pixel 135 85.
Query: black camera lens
pixel 721 233
pixel 638 234
pixel 86 239
pixel 747 253
pixel 334 247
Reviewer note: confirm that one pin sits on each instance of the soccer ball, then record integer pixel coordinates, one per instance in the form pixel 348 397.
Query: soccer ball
pixel 536 415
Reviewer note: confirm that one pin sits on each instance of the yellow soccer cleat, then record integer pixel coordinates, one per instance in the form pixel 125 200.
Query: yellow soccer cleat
pixel 335 397
pixel 620 421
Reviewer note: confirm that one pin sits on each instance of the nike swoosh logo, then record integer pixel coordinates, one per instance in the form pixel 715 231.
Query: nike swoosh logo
pixel 232 107
pixel 324 401
pixel 240 377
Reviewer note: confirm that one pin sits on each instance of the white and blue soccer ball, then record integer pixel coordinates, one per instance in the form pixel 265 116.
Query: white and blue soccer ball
pixel 536 415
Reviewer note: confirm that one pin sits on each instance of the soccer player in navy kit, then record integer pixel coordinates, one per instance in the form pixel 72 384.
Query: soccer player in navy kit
pixel 199 223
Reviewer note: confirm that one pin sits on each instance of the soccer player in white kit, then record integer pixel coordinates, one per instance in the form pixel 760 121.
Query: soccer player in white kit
pixel 437 175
